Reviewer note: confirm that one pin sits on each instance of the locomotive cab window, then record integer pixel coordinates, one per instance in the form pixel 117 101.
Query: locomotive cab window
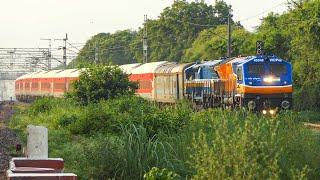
pixel 256 70
pixel 278 69
pixel 239 73
pixel 208 73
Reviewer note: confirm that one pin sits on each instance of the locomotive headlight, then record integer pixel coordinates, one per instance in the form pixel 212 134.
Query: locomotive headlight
pixel 272 112
pixel 264 112
pixel 270 79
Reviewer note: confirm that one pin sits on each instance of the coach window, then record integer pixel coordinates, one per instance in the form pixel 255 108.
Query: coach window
pixel 239 73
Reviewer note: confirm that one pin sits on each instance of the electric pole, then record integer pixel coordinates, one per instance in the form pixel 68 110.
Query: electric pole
pixel 96 53
pixel 229 36
pixel 64 48
pixel 49 52
pixel 145 40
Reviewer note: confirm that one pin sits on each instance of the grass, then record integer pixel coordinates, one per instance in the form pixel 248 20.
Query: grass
pixel 125 138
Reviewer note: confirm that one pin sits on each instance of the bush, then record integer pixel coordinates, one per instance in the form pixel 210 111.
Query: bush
pixel 160 174
pixel 42 105
pixel 100 82
pixel 113 115
pixel 92 119
pixel 125 137
pixel 253 147
pixel 106 156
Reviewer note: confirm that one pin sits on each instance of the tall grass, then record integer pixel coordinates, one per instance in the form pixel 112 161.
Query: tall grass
pixel 253 147
pixel 126 137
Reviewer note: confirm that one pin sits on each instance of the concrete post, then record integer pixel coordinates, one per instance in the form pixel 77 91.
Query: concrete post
pixel 37 145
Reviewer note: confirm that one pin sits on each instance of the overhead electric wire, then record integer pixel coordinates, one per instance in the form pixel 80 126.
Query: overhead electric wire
pixel 72 51
pixel 73 46
pixel 263 12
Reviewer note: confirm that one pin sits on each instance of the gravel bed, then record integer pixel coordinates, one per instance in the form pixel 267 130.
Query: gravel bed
pixel 8 139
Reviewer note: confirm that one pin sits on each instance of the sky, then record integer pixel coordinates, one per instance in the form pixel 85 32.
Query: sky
pixel 24 22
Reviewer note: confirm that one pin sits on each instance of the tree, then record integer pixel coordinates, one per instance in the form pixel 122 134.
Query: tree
pixel 105 48
pixel 212 44
pixel 99 82
pixel 295 36
pixel 276 40
pixel 168 36
pixel 178 26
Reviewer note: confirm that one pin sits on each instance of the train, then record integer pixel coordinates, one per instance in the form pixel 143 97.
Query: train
pixel 259 83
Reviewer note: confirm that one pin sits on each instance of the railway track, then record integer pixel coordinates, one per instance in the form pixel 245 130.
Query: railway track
pixel 8 139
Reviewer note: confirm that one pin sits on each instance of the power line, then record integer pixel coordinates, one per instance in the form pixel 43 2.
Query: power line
pixel 73 46
pixel 263 12
pixel 72 51
pixel 64 49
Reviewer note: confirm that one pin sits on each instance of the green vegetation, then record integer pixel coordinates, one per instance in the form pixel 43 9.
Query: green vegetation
pixel 211 44
pixel 103 131
pixel 125 137
pixel 101 82
pixel 110 48
pixel 197 31
pixel 161 174
pixel 168 36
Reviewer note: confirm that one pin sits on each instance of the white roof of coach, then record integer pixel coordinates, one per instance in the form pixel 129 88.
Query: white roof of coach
pixel 68 73
pixel 38 74
pixel 30 75
pixel 49 74
pixel 127 68
pixel 22 77
pixel 148 67
pixel 181 67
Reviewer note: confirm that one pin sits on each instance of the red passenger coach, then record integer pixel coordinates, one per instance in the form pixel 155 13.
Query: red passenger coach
pixel 45 83
pixel 145 76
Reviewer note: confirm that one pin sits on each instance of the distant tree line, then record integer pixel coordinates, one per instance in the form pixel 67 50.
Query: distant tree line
pixel 169 36
pixel 190 31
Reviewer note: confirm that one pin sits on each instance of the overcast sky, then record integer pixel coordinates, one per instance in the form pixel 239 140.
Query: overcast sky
pixel 24 22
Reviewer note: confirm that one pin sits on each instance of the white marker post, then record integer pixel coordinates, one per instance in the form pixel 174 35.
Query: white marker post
pixel 37 145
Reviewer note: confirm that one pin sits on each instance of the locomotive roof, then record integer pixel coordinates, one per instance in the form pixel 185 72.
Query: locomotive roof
pixel 257 58
pixel 261 58
pixel 208 63
pixel 241 60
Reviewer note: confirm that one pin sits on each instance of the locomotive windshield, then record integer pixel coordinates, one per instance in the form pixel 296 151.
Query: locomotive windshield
pixel 256 70
pixel 261 69
pixel 277 69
